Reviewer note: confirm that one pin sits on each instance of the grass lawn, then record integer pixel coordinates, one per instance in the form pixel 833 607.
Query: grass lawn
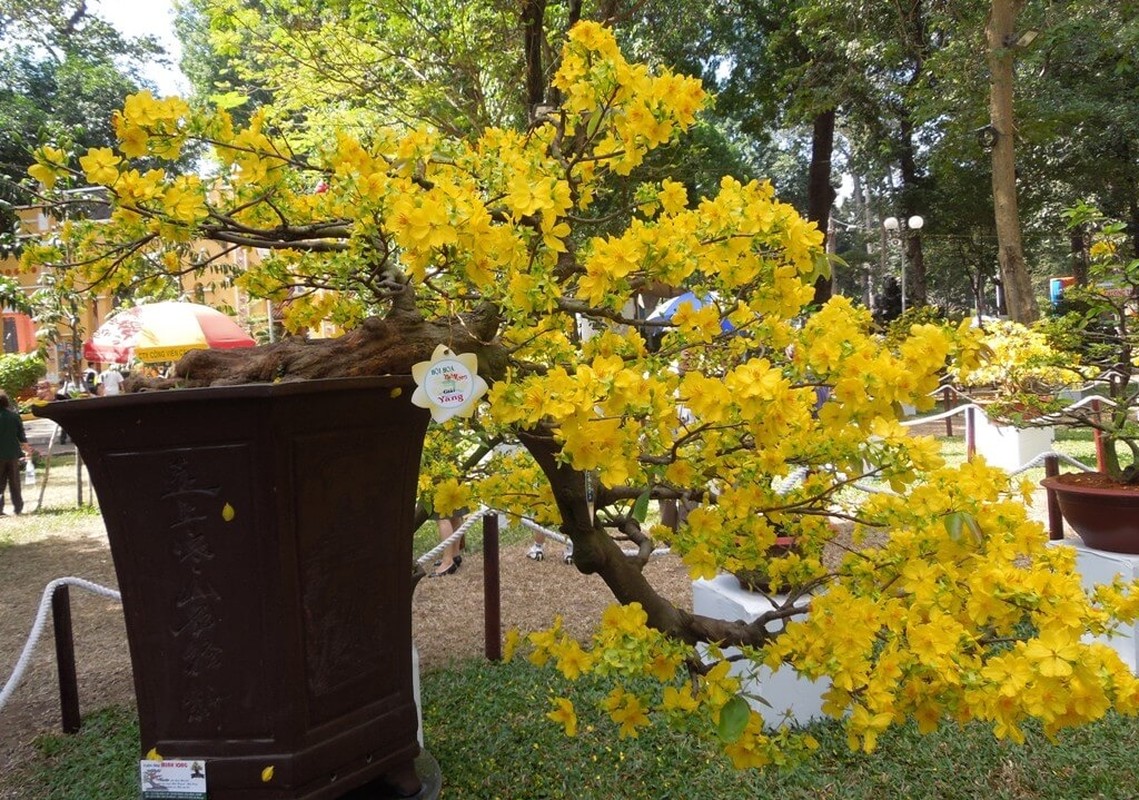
pixel 485 724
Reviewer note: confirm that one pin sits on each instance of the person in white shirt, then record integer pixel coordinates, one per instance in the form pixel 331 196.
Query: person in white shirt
pixel 111 382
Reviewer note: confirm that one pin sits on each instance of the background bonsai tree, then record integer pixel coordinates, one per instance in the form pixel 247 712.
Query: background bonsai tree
pixel 939 601
pixel 1089 347
pixel 1098 335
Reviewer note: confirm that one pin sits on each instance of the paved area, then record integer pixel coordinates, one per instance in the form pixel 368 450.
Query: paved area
pixel 39 432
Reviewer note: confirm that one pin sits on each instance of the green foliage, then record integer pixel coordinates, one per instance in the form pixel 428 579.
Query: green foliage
pixel 899 329
pixel 20 371
pixel 100 761
pixel 63 72
pixel 485 725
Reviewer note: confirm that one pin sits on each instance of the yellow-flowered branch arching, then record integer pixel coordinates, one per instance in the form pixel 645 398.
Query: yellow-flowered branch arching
pixel 935 598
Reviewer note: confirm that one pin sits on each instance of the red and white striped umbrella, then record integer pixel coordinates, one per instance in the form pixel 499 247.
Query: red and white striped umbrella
pixel 163 332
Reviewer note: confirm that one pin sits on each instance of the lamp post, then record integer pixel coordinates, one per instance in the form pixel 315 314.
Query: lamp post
pixel 898 229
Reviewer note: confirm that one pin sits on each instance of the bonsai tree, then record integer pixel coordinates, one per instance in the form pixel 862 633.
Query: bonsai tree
pixel 1088 347
pixel 1017 358
pixel 1100 342
pixel 935 599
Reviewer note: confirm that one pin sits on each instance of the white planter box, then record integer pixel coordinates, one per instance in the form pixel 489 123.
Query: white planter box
pixel 1007 447
pixel 791 698
pixel 1098 567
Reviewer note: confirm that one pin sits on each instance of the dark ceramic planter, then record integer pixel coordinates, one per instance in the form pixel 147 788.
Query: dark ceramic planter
pixel 261 536
pixel 1104 516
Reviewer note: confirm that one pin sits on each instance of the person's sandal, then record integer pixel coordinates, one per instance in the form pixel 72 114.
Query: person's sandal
pixel 451 570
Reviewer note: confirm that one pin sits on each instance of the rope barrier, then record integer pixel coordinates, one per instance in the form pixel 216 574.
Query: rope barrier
pixel 38 625
pixel 1052 416
pixel 1039 459
pixel 461 531
pixel 534 526
pixel 944 414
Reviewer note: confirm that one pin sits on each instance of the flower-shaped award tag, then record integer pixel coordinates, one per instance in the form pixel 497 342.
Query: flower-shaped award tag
pixel 448 384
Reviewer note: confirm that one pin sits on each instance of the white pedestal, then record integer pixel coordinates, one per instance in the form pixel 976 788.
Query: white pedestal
pixel 792 698
pixel 1098 567
pixel 1007 447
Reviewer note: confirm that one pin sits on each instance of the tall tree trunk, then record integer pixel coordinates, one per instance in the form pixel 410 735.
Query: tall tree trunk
pixel 1079 248
pixel 533 13
pixel 1000 32
pixel 914 284
pixel 820 192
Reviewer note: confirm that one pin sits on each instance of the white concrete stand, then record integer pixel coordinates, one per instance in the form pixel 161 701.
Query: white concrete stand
pixel 1098 567
pixel 791 698
pixel 1007 447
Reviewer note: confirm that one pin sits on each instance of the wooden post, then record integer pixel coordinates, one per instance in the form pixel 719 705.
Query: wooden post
pixel 1097 436
pixel 492 596
pixel 1055 521
pixel 970 433
pixel 65 659
pixel 47 466
pixel 947 402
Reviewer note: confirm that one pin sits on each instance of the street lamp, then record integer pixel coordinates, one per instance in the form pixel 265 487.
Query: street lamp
pixel 896 229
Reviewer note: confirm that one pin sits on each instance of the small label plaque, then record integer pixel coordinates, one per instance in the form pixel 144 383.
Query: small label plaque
pixel 173 780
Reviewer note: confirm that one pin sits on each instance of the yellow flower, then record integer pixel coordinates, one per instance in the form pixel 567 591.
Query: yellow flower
pixel 510 644
pixel 450 496
pixel 132 142
pixel 627 711
pixel 673 196
pixel 100 165
pixel 1054 652
pixel 50 165
pixel 572 661
pixel 564 714
pixel 681 700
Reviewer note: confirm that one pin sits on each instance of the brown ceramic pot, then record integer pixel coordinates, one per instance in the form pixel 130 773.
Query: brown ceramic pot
pixel 1104 512
pixel 261 536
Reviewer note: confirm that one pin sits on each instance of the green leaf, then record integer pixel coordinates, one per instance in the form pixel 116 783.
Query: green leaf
pixel 641 507
pixel 593 123
pixel 733 719
pixel 956 522
pixel 953 525
pixel 229 100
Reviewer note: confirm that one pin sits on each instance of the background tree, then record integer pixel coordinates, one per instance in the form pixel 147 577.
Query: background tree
pixel 63 72
pixel 942 602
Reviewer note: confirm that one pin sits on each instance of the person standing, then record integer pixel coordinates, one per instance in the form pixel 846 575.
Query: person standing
pixel 111 382
pixel 13 444
pixel 452 557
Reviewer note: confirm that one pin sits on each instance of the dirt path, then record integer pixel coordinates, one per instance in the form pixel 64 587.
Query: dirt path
pixel 448 620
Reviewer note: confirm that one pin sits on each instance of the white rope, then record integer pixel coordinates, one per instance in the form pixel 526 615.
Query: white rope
pixel 1083 401
pixel 944 414
pixel 471 519
pixel 1039 459
pixel 792 481
pixel 865 487
pixel 534 526
pixel 38 625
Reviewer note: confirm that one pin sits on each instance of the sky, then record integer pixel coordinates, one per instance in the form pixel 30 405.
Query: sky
pixel 154 17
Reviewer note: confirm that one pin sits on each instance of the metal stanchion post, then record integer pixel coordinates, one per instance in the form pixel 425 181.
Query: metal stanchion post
pixel 970 433
pixel 947 401
pixel 492 606
pixel 1097 435
pixel 1055 521
pixel 65 659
